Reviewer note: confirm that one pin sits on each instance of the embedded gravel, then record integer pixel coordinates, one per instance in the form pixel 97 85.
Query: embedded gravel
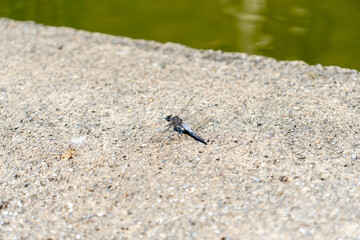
pixel 84 154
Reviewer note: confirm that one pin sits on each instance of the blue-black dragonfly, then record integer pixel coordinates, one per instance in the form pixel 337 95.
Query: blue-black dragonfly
pixel 181 127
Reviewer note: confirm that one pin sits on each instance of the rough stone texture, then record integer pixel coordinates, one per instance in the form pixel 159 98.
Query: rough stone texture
pixel 83 154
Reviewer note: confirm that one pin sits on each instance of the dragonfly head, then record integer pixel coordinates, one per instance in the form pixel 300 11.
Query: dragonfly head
pixel 168 117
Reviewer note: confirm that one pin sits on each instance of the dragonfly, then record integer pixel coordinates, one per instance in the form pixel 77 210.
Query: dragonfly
pixel 181 127
pixel 180 123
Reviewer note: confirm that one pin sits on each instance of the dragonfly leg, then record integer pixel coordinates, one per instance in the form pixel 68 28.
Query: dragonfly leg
pixel 168 126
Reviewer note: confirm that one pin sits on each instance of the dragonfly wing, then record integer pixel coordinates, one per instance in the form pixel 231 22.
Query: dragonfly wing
pixel 199 119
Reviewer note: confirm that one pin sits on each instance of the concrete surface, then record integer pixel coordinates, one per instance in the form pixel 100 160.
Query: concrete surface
pixel 83 153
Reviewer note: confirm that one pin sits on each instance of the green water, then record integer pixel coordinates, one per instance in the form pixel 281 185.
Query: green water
pixel 315 31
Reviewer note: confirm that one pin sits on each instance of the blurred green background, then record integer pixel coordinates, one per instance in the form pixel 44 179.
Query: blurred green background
pixel 315 31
